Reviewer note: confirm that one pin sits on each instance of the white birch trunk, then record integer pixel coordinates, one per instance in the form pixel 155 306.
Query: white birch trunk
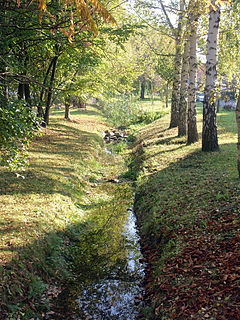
pixel 177 71
pixel 182 123
pixel 192 134
pixel 209 133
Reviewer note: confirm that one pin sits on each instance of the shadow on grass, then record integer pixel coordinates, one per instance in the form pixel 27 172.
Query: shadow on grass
pixel 78 112
pixel 83 251
pixel 189 200
pixel 163 152
pixel 47 176
pixel 201 175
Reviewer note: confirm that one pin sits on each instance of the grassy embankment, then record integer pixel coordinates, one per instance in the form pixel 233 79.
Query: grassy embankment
pixel 47 217
pixel 188 205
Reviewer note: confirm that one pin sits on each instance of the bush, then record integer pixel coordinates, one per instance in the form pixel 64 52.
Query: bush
pixel 126 110
pixel 18 125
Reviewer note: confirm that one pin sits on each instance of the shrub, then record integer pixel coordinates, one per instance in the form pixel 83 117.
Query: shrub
pixel 18 125
pixel 126 110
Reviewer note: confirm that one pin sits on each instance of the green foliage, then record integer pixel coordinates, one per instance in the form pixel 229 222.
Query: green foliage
pixel 18 125
pixel 127 110
pixel 148 116
pixel 122 111
pixel 36 287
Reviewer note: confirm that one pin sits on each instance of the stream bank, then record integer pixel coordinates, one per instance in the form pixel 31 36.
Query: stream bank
pixel 187 206
pixel 68 221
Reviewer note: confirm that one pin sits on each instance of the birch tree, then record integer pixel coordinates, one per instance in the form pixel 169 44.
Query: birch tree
pixel 192 133
pixel 182 126
pixel 177 70
pixel 209 133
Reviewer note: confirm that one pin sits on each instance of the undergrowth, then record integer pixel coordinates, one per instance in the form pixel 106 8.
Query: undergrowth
pixel 124 111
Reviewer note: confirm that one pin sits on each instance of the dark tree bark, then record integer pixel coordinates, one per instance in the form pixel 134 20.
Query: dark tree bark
pixel 20 91
pixel 67 108
pixel 49 95
pixel 143 86
pixel 40 112
pixel 27 93
pixel 218 105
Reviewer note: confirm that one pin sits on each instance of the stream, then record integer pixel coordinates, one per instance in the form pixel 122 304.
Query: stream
pixel 108 256
pixel 116 295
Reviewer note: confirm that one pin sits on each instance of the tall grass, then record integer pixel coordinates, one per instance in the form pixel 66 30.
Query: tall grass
pixel 127 110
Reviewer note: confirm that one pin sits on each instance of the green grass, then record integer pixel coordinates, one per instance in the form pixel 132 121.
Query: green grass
pixel 187 203
pixel 55 202
pixel 153 105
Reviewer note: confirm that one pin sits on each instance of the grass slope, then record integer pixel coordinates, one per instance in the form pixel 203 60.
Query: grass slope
pixel 44 214
pixel 187 205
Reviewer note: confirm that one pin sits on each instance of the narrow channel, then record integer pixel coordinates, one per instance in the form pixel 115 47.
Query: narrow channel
pixel 117 295
pixel 109 258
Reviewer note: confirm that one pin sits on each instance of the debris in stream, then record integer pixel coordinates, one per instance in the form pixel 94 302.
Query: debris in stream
pixel 114 136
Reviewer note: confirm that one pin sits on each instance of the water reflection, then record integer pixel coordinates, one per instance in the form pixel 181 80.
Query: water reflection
pixel 117 293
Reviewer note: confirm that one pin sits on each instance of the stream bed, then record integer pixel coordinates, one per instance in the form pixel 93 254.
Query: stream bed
pixel 107 256
pixel 118 294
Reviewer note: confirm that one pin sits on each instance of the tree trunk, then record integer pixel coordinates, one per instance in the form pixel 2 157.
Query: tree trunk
pixel 40 112
pixel 143 85
pixel 238 126
pixel 27 94
pixel 209 133
pixel 177 72
pixel 49 96
pixel 6 92
pixel 20 91
pixel 218 105
pixel 167 91
pixel 67 108
pixel 192 135
pixel 182 121
pixel 67 111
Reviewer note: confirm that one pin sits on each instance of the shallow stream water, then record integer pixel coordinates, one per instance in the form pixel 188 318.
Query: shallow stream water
pixel 110 267
pixel 116 295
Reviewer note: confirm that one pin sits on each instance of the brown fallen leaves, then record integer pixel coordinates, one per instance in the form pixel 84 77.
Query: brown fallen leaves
pixel 203 280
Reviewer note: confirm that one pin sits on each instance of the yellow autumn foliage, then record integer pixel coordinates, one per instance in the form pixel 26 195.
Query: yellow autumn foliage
pixel 85 10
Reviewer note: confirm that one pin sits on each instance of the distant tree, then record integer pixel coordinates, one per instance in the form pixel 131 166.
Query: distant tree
pixel 182 108
pixel 195 11
pixel 192 133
